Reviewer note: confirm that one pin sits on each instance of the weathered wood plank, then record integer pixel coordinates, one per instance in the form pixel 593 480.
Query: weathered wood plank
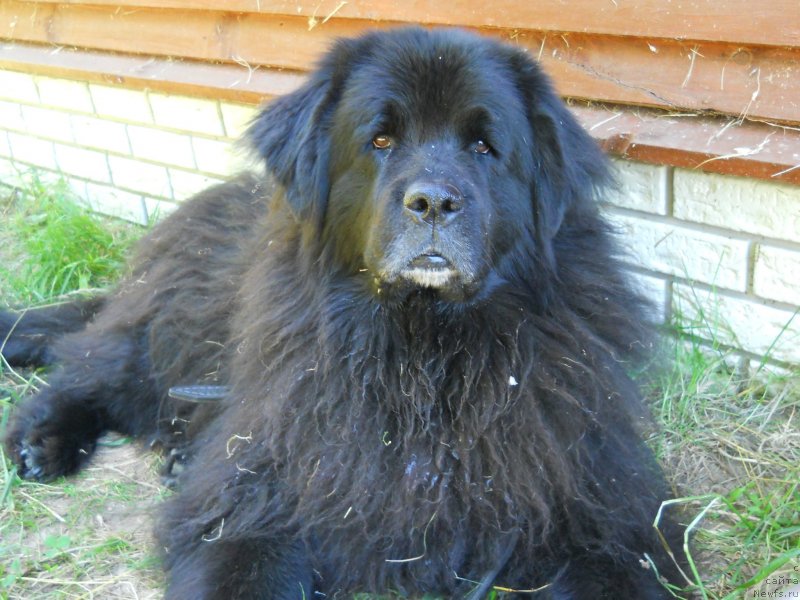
pixel 172 76
pixel 776 22
pixel 758 82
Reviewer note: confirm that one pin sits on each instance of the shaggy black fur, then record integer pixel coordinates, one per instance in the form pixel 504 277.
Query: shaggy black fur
pixel 426 336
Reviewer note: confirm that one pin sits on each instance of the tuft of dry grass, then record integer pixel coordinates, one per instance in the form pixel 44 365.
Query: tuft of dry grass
pixel 731 441
pixel 88 536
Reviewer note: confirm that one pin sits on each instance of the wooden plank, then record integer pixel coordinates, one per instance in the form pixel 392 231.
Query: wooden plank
pixel 210 36
pixel 776 22
pixel 715 144
pixel 216 81
pixel 758 82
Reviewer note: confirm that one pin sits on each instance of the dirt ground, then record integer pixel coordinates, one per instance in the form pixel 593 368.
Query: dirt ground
pixel 88 536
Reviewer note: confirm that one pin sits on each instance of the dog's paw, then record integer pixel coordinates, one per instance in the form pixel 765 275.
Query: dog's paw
pixel 49 457
pixel 45 447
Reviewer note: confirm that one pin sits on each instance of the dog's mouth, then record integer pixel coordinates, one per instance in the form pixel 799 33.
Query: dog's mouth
pixel 431 270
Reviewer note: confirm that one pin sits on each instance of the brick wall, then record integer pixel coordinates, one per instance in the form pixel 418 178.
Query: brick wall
pixel 128 153
pixel 722 251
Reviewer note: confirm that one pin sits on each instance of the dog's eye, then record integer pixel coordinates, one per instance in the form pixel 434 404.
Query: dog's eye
pixel 481 147
pixel 382 142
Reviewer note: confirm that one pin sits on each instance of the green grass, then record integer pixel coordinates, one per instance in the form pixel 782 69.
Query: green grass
pixel 729 439
pixel 731 434
pixel 54 246
pixel 87 536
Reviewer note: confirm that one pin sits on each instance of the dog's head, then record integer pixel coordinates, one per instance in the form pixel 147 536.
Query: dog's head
pixel 430 160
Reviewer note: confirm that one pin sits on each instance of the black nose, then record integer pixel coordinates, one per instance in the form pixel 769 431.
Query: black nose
pixel 431 203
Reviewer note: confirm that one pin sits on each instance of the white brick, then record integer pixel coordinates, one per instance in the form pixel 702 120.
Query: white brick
pixel 47 123
pixel 8 172
pixel 140 177
pixel 640 187
pixel 33 151
pixel 5 147
pixel 158 209
pixel 11 116
pixel 119 103
pixel 116 202
pixel 72 95
pixel 212 156
pixel 82 163
pixel 759 207
pixel 220 158
pixel 161 146
pixel 18 86
pixel 655 290
pixel 100 133
pixel 236 118
pixel 744 324
pixel 777 274
pixel 76 187
pixel 674 250
pixel 186 184
pixel 189 114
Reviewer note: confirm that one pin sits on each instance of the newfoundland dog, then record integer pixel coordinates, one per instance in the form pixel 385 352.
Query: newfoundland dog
pixel 398 363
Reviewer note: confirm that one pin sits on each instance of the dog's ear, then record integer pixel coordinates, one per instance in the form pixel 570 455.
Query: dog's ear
pixel 569 168
pixel 292 135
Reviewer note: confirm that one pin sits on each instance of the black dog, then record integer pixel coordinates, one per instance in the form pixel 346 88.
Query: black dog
pixel 423 336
